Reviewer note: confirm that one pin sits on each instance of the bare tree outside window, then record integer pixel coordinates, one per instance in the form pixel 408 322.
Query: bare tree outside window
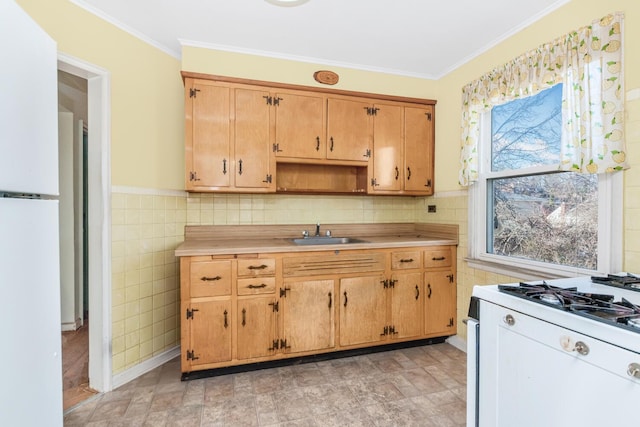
pixel 549 217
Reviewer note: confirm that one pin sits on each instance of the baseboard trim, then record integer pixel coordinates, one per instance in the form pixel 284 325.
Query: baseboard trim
pixel 458 342
pixel 142 368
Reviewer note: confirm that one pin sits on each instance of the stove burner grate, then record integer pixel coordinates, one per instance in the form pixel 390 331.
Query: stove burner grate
pixel 599 307
pixel 623 280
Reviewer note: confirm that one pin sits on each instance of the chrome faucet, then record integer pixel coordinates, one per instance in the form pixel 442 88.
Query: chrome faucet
pixel 318 229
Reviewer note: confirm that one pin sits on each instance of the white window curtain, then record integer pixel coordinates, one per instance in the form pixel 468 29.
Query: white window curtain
pixel 588 62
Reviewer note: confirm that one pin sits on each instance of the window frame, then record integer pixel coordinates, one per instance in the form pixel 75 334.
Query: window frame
pixel 610 217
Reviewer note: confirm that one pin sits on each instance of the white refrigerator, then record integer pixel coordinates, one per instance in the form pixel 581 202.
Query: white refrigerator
pixel 30 356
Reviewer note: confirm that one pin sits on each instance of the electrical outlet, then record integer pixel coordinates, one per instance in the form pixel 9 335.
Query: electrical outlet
pixel 431 208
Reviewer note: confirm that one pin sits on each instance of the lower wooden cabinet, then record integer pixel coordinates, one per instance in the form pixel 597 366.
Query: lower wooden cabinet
pixel 256 326
pixel 363 307
pixel 262 307
pixel 308 316
pixel 407 305
pixel 208 325
pixel 440 307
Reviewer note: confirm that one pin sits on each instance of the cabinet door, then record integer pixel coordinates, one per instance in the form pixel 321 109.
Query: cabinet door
pixel 349 130
pixel 407 305
pixel 256 327
pixel 418 149
pixel 308 316
pixel 387 148
pixel 252 143
pixel 300 126
pixel 440 305
pixel 207 135
pixel 363 310
pixel 210 332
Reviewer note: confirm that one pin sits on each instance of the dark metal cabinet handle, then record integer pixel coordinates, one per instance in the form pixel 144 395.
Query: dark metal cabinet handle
pixel 257 267
pixel 408 173
pixel 417 292
pixel 330 300
pixel 397 173
pixel 345 298
pixel 428 184
pixel 317 143
pixel 224 166
pixel 440 258
pixel 240 167
pixel 260 286
pixel 226 322
pixel 244 317
pixel 429 288
pixel 210 279
pixel 407 260
pixel 331 147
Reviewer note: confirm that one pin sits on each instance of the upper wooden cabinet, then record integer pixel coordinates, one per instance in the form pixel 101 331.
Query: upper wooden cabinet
pixel 418 149
pixel 299 126
pixel 207 135
pixel 253 136
pixel 403 147
pixel 310 126
pixel 388 153
pixel 227 138
pixel 348 129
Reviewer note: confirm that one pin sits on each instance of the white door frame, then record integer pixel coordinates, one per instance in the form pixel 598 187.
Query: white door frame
pixel 99 177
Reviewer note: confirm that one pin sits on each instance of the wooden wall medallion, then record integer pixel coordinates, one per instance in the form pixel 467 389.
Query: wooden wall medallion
pixel 326 77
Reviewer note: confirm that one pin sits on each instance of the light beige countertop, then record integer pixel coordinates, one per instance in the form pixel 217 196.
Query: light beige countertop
pixel 247 239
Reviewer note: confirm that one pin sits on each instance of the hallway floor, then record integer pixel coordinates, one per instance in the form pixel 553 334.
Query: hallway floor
pixel 75 366
pixel 420 386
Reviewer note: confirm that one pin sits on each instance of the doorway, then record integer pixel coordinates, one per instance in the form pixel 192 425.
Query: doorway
pixel 74 284
pixel 96 272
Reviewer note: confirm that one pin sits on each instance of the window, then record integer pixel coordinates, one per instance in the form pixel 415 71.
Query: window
pixel 525 214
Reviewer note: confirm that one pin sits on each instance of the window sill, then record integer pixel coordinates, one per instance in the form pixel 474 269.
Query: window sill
pixel 523 273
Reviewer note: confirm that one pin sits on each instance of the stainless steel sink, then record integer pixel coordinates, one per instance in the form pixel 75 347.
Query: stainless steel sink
pixel 322 240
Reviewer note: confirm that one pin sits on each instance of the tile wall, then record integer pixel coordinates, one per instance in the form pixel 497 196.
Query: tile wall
pixel 632 184
pixel 233 209
pixel 146 229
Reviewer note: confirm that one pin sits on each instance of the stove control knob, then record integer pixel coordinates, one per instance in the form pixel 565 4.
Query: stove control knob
pixel 634 370
pixel 582 348
pixel 509 320
pixel 567 343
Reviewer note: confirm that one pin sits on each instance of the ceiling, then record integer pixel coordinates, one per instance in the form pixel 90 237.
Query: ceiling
pixel 418 38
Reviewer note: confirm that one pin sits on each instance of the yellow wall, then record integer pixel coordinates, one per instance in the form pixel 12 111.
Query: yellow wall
pixel 147 116
pixel 223 63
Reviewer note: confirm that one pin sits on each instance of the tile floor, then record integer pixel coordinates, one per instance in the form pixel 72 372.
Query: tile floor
pixel 420 386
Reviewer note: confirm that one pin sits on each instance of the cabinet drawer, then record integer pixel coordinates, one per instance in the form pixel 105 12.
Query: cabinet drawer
pixel 262 285
pixel 210 278
pixel 256 267
pixel 437 258
pixel 405 260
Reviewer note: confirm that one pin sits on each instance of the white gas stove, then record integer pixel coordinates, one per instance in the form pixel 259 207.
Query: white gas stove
pixel 539 350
